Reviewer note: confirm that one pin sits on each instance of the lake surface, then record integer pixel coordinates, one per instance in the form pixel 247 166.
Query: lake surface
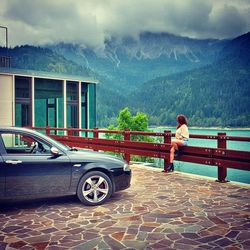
pixel 211 171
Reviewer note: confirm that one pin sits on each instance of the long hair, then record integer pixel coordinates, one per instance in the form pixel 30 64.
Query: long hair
pixel 181 119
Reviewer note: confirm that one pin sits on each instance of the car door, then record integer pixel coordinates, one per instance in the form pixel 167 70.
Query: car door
pixel 33 173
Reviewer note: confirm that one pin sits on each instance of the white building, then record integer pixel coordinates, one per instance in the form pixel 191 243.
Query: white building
pixel 32 98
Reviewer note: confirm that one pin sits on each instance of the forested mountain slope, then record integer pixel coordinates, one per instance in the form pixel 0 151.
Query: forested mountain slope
pixel 124 64
pixel 37 58
pixel 215 95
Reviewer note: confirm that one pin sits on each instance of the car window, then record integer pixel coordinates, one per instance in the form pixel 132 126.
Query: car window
pixel 18 143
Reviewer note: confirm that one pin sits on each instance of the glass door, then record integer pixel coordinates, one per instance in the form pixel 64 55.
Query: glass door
pixel 51 117
pixel 72 105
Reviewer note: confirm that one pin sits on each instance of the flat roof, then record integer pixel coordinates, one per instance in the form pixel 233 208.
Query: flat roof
pixel 46 74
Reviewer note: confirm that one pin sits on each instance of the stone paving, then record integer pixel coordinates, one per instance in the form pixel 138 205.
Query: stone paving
pixel 159 211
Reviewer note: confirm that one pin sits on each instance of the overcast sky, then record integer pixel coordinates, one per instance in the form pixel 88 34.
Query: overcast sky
pixel 91 21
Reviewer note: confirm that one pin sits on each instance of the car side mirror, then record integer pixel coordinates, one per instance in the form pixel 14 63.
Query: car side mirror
pixel 54 150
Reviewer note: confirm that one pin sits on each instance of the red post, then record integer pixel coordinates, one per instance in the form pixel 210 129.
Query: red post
pixel 127 138
pixel 167 140
pixel 47 130
pixel 222 171
pixel 77 133
pixel 70 132
pixel 95 134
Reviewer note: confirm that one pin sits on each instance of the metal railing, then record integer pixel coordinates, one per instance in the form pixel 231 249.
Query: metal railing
pixel 5 61
pixel 221 157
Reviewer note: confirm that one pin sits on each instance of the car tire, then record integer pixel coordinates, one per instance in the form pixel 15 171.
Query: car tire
pixel 94 188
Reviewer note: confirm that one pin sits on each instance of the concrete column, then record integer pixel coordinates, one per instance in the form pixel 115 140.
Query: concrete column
pixel 7 99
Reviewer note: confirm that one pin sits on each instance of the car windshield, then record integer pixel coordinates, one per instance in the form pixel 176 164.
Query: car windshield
pixel 54 142
pixel 59 144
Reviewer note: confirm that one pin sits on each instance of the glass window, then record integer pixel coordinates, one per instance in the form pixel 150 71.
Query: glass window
pixel 17 143
pixel 22 87
pixel 22 101
pixel 48 103
pixel 84 90
pixel 72 104
pixel 72 116
pixel 72 90
pixel 92 105
pixel 22 114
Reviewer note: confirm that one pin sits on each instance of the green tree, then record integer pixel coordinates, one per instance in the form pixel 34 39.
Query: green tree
pixel 139 122
pixel 125 120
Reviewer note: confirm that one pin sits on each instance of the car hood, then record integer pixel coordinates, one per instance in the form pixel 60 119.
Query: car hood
pixel 91 156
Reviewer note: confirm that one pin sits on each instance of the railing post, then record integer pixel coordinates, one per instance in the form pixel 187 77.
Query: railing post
pixel 127 138
pixel 47 130
pixel 222 171
pixel 70 132
pixel 96 135
pixel 167 140
pixel 77 133
pixel 95 132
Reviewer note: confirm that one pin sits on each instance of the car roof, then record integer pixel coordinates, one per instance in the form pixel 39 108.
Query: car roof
pixel 12 128
pixel 20 129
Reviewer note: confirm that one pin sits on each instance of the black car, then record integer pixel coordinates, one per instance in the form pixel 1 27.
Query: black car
pixel 35 165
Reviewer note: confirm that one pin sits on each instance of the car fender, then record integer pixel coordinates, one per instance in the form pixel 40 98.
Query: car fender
pixel 80 171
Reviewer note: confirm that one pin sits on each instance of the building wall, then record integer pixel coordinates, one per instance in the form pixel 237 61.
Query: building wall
pixel 6 100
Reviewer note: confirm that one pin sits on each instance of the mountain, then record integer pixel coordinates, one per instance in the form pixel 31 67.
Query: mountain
pixel 123 65
pixel 37 58
pixel 215 95
pixel 128 62
pixel 157 73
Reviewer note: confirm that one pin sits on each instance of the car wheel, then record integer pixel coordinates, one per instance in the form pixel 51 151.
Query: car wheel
pixel 94 188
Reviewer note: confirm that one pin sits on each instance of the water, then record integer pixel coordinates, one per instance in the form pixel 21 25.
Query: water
pixel 211 171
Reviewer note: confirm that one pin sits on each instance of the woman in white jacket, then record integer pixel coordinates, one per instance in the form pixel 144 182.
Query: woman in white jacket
pixel 181 139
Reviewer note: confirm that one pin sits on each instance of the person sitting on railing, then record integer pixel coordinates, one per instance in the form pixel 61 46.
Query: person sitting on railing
pixel 181 139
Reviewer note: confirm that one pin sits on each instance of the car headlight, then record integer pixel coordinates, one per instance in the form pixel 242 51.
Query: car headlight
pixel 126 167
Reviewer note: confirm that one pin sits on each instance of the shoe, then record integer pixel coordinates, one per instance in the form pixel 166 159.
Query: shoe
pixel 170 168
pixel 176 154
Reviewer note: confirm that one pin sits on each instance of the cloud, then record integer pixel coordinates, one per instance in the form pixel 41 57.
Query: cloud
pixel 227 21
pixel 90 22
pixel 39 22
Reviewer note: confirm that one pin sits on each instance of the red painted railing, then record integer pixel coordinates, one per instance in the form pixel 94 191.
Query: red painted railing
pixel 221 157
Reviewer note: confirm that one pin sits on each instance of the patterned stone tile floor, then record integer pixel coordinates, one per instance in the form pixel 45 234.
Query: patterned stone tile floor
pixel 158 211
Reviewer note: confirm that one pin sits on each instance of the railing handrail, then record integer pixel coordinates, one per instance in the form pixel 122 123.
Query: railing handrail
pixel 148 133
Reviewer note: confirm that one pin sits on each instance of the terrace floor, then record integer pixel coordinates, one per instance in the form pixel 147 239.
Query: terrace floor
pixel 158 211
